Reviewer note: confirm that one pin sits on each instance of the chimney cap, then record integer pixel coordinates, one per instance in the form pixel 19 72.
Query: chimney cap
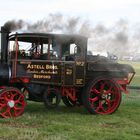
pixel 4 30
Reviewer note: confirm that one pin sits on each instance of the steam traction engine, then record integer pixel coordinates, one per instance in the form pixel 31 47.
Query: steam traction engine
pixel 51 67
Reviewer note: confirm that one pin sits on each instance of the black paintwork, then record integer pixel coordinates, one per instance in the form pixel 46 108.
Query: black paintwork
pixel 72 70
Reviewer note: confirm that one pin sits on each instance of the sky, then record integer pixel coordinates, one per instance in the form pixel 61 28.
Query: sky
pixel 96 11
pixel 103 16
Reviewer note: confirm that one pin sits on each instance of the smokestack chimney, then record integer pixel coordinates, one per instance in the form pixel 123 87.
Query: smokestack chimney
pixel 4 44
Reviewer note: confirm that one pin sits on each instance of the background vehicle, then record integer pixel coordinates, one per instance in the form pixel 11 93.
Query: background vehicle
pixel 48 67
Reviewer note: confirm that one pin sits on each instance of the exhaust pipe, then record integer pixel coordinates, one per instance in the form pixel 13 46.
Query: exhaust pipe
pixel 4 34
pixel 5 71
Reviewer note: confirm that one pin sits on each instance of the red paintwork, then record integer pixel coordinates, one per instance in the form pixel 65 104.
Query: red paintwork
pixel 2 87
pixel 21 79
pixel 16 58
pixel 69 92
pixel 123 84
pixel 104 97
pixel 8 95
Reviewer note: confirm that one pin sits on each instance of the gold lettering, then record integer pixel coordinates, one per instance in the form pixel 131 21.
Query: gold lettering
pixel 29 66
pixel 49 72
pixel 30 71
pixel 54 67
pixel 79 81
pixel 36 76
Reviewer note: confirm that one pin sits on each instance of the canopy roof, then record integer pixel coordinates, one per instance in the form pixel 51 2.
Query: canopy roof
pixel 43 37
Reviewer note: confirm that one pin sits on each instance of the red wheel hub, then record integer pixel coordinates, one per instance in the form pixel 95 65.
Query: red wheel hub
pixel 104 96
pixel 12 103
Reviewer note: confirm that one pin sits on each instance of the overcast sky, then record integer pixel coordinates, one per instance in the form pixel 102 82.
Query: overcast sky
pixel 96 11
pixel 106 13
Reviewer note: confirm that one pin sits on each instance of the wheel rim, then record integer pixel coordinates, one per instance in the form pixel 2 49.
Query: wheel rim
pixel 104 96
pixel 2 87
pixel 52 99
pixel 68 102
pixel 12 103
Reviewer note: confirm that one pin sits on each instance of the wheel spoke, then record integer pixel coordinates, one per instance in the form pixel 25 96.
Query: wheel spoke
pixel 94 90
pixel 1 98
pixel 102 87
pixel 2 105
pixel 110 90
pixel 6 98
pixel 92 100
pixel 13 95
pixel 108 103
pixel 20 100
pixel 18 110
pixel 7 113
pixel 100 109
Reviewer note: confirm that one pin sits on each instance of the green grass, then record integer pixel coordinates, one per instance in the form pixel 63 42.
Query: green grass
pixel 39 123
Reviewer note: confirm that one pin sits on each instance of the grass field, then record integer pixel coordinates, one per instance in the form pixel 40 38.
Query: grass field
pixel 38 123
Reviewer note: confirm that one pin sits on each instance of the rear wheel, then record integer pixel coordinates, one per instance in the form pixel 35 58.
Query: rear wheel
pixel 102 96
pixel 12 102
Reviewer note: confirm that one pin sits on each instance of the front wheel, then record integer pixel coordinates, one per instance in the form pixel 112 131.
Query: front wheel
pixel 12 102
pixel 102 96
pixel 52 98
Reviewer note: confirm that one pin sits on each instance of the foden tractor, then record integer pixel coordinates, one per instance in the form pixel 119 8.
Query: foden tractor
pixel 53 67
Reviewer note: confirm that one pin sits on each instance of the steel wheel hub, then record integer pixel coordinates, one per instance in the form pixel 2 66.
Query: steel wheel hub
pixel 103 96
pixel 11 103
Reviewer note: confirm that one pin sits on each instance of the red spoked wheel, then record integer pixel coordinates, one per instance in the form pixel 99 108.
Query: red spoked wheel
pixel 103 96
pixel 2 87
pixel 12 102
